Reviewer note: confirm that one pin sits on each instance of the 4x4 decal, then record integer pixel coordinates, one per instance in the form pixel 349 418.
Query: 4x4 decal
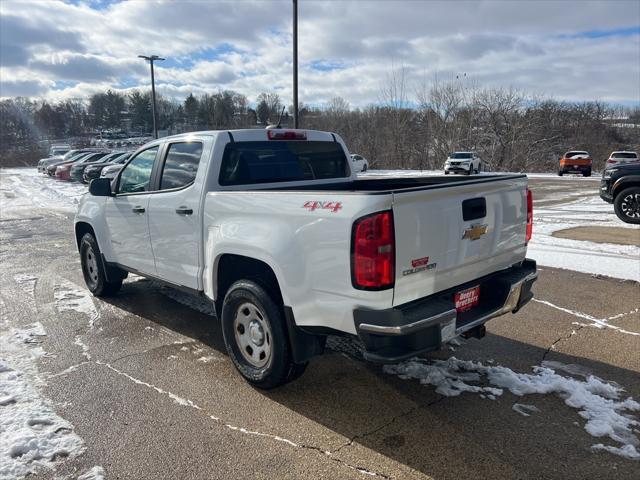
pixel 313 205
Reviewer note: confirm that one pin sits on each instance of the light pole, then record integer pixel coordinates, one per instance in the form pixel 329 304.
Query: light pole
pixel 295 64
pixel 151 59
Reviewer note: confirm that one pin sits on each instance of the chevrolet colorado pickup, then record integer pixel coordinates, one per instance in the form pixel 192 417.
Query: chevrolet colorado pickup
pixel 277 231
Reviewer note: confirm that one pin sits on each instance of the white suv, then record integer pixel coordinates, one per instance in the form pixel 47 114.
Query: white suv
pixel 463 162
pixel 617 158
pixel 360 164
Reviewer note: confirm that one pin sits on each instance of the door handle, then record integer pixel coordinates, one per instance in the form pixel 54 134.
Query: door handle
pixel 184 211
pixel 138 209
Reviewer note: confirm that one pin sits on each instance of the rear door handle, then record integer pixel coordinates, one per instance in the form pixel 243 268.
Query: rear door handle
pixel 184 211
pixel 138 209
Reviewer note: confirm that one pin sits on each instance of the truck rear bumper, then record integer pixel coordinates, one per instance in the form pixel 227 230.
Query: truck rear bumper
pixel 423 325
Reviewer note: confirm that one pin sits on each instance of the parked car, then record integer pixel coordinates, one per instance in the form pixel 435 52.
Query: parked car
pixel 110 171
pixel 463 162
pixel 620 158
pixel 359 163
pixel 620 185
pixel 77 169
pixel 93 171
pixel 231 209
pixel 51 168
pixel 59 149
pixel 575 161
pixel 43 163
pixel 63 170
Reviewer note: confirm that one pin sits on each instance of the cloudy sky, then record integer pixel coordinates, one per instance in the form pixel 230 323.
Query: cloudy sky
pixel 571 50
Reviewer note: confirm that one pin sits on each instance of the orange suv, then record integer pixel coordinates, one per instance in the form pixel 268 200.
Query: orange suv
pixel 575 161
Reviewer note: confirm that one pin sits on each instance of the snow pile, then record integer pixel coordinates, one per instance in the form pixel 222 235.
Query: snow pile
pixel 96 473
pixel 31 434
pixel 598 402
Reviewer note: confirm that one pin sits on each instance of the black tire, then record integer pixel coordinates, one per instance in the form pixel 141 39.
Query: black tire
pixel 560 173
pixel 627 205
pixel 587 173
pixel 364 169
pixel 446 173
pixel 248 303
pixel 469 171
pixel 93 269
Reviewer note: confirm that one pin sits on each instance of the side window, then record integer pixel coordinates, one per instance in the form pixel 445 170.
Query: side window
pixel 136 175
pixel 180 165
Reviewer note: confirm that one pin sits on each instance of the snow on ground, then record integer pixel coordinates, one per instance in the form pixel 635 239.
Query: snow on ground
pixel 25 187
pixel 96 473
pixel 32 435
pixel 598 402
pixel 618 261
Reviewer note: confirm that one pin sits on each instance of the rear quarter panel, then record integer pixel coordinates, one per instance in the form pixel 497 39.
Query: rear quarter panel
pixel 309 249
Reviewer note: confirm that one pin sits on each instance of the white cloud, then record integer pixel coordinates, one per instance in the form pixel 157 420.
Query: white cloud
pixel 346 48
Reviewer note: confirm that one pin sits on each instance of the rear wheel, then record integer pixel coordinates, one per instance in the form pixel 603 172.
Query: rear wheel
pixel 587 173
pixel 364 169
pixel 93 269
pixel 254 333
pixel 446 173
pixel 627 205
pixel 560 173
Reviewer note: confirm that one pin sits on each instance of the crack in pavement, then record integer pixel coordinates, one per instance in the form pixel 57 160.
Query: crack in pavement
pixel 561 339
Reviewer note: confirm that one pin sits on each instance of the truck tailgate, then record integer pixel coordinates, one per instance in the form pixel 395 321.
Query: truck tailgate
pixel 451 234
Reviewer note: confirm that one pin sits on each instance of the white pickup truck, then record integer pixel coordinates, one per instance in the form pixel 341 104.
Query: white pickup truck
pixel 275 229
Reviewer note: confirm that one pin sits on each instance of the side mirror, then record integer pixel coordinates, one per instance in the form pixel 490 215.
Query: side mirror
pixel 100 187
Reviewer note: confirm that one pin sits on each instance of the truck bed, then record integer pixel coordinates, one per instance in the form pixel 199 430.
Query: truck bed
pixel 394 185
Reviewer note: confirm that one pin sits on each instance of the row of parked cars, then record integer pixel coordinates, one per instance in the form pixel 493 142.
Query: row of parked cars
pixel 83 165
pixel 580 161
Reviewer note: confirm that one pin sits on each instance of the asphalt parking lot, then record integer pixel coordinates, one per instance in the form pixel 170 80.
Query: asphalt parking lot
pixel 145 381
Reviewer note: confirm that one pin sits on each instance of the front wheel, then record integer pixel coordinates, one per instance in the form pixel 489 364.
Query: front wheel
pixel 587 173
pixel 364 169
pixel 627 205
pixel 253 328
pixel 446 172
pixel 93 269
pixel 560 173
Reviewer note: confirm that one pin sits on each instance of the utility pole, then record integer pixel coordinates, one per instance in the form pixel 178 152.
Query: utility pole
pixel 295 64
pixel 151 59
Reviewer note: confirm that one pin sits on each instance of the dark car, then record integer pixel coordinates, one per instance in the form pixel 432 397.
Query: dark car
pixel 93 170
pixel 620 185
pixel 77 169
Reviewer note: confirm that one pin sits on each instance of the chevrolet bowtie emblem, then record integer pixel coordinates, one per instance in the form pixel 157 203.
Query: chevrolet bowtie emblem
pixel 474 232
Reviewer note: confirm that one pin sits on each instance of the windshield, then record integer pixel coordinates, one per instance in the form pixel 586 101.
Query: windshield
pixel 632 155
pixel 459 155
pixel 272 161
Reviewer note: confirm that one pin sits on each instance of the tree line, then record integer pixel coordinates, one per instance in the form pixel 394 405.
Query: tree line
pixel 406 128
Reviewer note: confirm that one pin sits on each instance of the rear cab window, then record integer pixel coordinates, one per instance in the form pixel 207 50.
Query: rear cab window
pixel 247 163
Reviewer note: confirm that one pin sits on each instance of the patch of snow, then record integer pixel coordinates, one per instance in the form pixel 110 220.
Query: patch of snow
pixel 96 473
pixel 207 359
pixel 598 402
pixel 524 410
pixel 32 435
pixel 70 297
pixel 617 261
pixel 26 282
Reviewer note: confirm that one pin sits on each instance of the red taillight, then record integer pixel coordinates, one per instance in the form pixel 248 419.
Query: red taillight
pixel 611 161
pixel 529 216
pixel 277 134
pixel 373 252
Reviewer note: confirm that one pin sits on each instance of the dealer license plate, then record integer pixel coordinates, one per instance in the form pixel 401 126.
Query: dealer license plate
pixel 467 299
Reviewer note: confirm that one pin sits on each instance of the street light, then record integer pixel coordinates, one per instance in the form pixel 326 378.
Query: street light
pixel 151 59
pixel 295 64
